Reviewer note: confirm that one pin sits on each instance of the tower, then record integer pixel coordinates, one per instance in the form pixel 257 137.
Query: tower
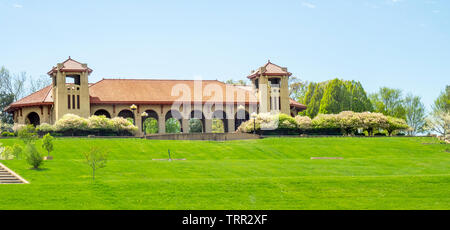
pixel 271 83
pixel 70 89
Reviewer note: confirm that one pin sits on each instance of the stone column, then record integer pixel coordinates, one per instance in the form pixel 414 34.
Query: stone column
pixel 231 126
pixel 185 125
pixel 161 125
pixel 138 122
pixel 208 125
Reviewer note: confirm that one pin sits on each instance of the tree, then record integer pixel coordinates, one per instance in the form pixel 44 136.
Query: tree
pixel 173 126
pixel 151 125
pixel 335 96
pixel 297 89
pixel 12 84
pixel 335 99
pixel 359 102
pixel 47 143
pixel 96 159
pixel 217 126
pixel 439 122
pixel 442 103
pixel 239 82
pixel 5 100
pixel 415 113
pixel 27 134
pixel 34 158
pixel 388 102
pixel 39 83
pixel 195 126
pixel 395 124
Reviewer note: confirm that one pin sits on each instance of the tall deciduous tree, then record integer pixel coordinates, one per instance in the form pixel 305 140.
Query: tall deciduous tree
pixel 415 113
pixel 388 102
pixel 442 103
pixel 297 89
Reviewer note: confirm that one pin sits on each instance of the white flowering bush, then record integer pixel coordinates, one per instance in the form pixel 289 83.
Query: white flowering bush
pixel 346 122
pixel 45 128
pixel 100 123
pixel 396 124
pixel 122 126
pixel 303 122
pixel 72 123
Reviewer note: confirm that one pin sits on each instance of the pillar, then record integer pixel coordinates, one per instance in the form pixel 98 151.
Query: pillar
pixel 138 121
pixel 208 125
pixel 185 125
pixel 231 126
pixel 161 125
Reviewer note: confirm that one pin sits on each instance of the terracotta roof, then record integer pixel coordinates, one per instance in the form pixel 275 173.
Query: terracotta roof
pixel 41 97
pixel 140 91
pixel 71 65
pixel 137 91
pixel 270 69
pixel 296 104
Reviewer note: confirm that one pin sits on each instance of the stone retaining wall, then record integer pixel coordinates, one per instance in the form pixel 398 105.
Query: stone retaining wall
pixel 203 136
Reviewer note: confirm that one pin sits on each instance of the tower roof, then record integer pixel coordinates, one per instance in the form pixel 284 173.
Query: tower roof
pixel 70 65
pixel 270 69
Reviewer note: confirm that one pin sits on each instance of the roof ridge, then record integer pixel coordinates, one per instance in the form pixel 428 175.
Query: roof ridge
pixel 136 79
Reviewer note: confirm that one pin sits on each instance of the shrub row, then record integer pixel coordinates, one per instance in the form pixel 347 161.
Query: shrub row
pixel 344 123
pixel 73 125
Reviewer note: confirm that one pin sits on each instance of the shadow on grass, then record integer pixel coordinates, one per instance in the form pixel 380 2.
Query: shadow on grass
pixel 39 169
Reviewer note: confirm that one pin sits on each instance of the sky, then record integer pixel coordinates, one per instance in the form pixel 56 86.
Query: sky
pixel 402 44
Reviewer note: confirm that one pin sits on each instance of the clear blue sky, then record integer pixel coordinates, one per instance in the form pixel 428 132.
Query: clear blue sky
pixel 396 43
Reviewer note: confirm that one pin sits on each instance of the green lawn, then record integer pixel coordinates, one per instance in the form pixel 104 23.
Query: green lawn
pixel 273 173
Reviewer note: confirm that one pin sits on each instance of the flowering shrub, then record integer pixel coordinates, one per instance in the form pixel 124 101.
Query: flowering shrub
pixel 72 123
pixel 122 125
pixel 394 124
pixel 45 128
pixel 4 127
pixel 346 122
pixel 303 122
pixel 100 123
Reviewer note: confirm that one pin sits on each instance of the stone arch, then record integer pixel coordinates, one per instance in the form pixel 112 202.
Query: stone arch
pixel 240 117
pixel 153 115
pixel 197 114
pixel 175 115
pixel 221 115
pixel 126 114
pixel 33 119
pixel 103 112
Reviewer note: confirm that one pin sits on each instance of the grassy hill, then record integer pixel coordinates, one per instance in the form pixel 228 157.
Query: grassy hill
pixel 272 173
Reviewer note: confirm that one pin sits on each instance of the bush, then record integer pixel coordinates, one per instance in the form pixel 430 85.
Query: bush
pixel 34 158
pixel 7 134
pixel 395 124
pixel 72 124
pixel 303 122
pixel 47 143
pixel 45 128
pixel 100 124
pixel 4 127
pixel 123 126
pixel 27 134
pixel 6 153
pixel 17 151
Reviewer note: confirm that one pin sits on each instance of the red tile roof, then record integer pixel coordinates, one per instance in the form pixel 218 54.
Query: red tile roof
pixel 296 104
pixel 140 91
pixel 41 97
pixel 270 69
pixel 71 65
pixel 136 91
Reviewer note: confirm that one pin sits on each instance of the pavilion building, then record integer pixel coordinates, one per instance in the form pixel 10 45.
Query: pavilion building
pixel 71 93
